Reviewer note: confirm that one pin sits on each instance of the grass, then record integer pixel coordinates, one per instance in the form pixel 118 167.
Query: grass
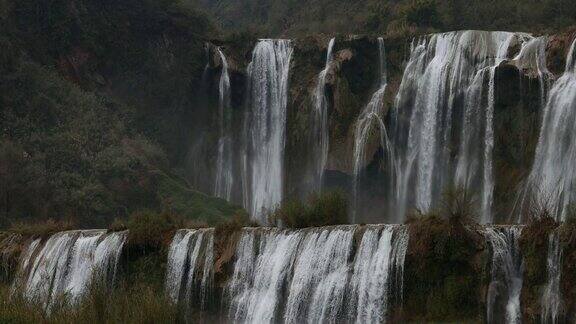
pixel 135 304
pixel 177 196
pixel 43 228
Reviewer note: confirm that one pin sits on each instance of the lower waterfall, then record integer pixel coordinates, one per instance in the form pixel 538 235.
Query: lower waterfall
pixel 507 269
pixel 189 273
pixel 313 276
pixel 552 299
pixel 67 264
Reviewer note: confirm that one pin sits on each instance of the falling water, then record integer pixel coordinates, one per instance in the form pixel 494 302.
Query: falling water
pixel 304 276
pixel 378 273
pixel 446 71
pixel 189 273
pixel 255 295
pixel 552 299
pixel 224 177
pixel 67 264
pixel 265 125
pixel 320 121
pixel 552 180
pixel 507 269
pixel 370 115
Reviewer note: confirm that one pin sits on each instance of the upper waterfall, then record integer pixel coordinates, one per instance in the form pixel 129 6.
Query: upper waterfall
pixel 320 121
pixel 224 164
pixel 265 126
pixel 445 70
pixel 552 180
pixel 370 117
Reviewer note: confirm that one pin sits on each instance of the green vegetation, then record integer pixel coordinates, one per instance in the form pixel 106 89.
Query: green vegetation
pixel 444 267
pixel 131 304
pixel 97 108
pixel 323 209
pixel 280 17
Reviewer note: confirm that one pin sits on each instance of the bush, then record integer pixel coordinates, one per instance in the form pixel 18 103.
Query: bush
pixel 330 208
pixel 457 204
pixel 41 228
pixel 151 229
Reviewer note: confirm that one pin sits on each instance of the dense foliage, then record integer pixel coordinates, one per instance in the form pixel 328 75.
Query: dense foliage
pixel 277 17
pixel 97 103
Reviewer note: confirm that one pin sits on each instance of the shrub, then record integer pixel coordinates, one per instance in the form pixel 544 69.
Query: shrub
pixel 41 228
pixel 457 204
pixel 329 208
pixel 150 229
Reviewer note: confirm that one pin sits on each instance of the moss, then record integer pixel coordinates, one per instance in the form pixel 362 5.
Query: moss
pixel 442 273
pixel 534 247
pixel 177 197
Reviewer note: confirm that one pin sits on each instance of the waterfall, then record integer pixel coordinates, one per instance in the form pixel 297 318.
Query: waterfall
pixel 552 180
pixel 507 269
pixel 552 298
pixel 189 273
pixel 370 115
pixel 265 126
pixel 320 121
pixel 224 164
pixel 378 273
pixel 304 275
pixel 444 72
pixel 67 264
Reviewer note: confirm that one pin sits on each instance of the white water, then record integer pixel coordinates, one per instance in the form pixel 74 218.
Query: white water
pixel 189 273
pixel 446 71
pixel 310 275
pixel 378 273
pixel 552 306
pixel 67 264
pixel 552 180
pixel 320 121
pixel 371 116
pixel 507 269
pixel 265 127
pixel 224 164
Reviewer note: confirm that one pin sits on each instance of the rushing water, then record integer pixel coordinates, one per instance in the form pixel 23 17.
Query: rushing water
pixel 371 116
pixel 446 71
pixel 552 306
pixel 67 264
pixel 265 126
pixel 320 121
pixel 503 297
pixel 552 180
pixel 311 275
pixel 224 164
pixel 189 273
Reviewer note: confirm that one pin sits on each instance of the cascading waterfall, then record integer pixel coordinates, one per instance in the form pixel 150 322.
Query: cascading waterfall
pixel 265 126
pixel 320 121
pixel 189 273
pixel 552 180
pixel 378 273
pixel 445 71
pixel 552 298
pixel 370 115
pixel 224 164
pixel 507 269
pixel 303 275
pixel 67 264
